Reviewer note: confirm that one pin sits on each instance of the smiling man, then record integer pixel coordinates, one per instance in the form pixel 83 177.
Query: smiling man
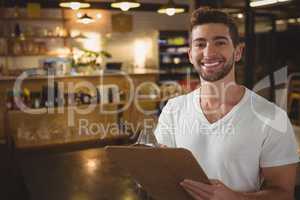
pixel 244 143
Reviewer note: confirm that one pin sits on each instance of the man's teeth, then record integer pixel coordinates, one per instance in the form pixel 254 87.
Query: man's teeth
pixel 210 64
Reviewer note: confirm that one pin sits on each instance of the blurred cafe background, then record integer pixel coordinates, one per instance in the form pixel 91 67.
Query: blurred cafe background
pixel 77 75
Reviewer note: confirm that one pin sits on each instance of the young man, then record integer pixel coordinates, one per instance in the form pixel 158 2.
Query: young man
pixel 240 139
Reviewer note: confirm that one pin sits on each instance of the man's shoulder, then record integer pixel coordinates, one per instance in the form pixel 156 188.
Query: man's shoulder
pixel 262 104
pixel 266 111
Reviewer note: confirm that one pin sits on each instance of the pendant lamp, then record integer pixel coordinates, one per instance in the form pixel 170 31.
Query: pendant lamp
pixel 170 9
pixel 125 5
pixel 85 19
pixel 74 4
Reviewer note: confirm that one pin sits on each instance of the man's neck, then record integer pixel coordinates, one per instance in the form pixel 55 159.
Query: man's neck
pixel 222 92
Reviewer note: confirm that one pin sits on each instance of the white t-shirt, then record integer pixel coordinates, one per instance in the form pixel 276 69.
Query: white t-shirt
pixel 254 134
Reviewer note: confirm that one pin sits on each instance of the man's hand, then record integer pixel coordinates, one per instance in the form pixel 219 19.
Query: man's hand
pixel 216 191
pixel 162 145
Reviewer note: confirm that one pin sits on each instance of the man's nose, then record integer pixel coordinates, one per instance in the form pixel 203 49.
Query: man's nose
pixel 209 50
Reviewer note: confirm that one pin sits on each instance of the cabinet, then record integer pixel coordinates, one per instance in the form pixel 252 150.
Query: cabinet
pixel 173 55
pixel 25 41
pixel 75 124
pixel 30 36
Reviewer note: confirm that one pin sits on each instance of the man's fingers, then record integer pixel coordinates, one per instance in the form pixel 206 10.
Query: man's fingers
pixel 204 187
pixel 162 146
pixel 196 190
pixel 215 182
pixel 194 195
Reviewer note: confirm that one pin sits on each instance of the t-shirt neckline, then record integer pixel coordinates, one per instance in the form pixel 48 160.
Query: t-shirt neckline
pixel 224 118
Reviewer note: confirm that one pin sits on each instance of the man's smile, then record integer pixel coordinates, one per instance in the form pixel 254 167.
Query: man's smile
pixel 212 64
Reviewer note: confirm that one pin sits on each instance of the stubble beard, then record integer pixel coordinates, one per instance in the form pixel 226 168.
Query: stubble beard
pixel 219 74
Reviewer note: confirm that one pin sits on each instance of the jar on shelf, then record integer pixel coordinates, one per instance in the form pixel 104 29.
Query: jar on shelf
pixel 17 48
pixel 29 31
pixel 17 30
pixel 30 47
pixel 42 47
pixel 35 99
pixel 10 100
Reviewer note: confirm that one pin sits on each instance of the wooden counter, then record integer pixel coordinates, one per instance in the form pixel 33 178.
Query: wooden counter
pixel 52 126
pixel 134 72
pixel 96 177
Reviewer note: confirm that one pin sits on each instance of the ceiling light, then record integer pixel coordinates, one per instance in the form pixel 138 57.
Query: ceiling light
pixel 125 5
pixel 257 3
pixel 98 15
pixel 280 21
pixel 78 15
pixel 262 3
pixel 85 19
pixel 170 9
pixel 74 5
pixel 240 15
pixel 292 21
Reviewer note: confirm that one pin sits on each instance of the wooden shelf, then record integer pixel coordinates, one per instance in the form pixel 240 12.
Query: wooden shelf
pixel 26 55
pixel 167 65
pixel 42 37
pixel 174 44
pixel 157 100
pixel 175 53
pixel 29 55
pixel 33 19
pixel 183 73
pixel 56 109
pixel 165 46
pixel 75 138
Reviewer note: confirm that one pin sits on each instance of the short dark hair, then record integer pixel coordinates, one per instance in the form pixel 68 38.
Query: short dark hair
pixel 207 15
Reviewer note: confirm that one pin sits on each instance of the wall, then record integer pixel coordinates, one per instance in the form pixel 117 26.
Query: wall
pixel 144 34
pixel 28 28
pixel 146 27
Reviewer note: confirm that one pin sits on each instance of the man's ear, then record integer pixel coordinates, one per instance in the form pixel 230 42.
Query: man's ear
pixel 238 52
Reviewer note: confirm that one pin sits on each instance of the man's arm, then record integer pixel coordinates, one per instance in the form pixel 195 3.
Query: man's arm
pixel 279 185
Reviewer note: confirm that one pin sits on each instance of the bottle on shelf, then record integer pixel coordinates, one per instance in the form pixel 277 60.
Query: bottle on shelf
pixel 17 31
pixel 98 96
pixel 26 97
pixel 85 98
pixel 47 97
pixel 10 100
pixel 35 100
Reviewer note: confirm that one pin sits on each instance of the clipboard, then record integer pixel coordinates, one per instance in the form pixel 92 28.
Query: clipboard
pixel 158 170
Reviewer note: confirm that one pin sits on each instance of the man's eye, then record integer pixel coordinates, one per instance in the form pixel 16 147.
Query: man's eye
pixel 200 45
pixel 220 43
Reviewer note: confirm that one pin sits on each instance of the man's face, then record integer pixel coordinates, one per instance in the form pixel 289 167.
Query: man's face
pixel 212 51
